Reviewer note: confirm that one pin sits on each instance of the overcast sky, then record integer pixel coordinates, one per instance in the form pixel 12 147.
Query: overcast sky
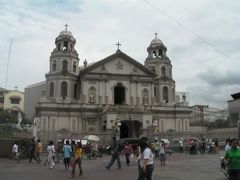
pixel 202 37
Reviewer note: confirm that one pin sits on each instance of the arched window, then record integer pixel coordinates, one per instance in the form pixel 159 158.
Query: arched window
pixel 154 54
pixel 54 66
pixel 163 71
pixel 64 88
pixel 65 45
pixel 51 92
pixel 160 53
pixel 75 90
pixel 65 66
pixel 59 46
pixel 74 67
pixel 165 94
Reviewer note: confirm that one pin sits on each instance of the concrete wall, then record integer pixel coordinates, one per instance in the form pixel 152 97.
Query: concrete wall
pixel 32 96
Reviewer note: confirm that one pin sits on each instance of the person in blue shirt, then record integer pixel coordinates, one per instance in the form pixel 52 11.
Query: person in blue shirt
pixel 67 154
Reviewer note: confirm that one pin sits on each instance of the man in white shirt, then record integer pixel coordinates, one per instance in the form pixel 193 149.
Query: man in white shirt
pixel 146 160
pixel 15 151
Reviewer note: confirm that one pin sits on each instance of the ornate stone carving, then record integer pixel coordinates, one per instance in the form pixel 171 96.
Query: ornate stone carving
pixel 119 65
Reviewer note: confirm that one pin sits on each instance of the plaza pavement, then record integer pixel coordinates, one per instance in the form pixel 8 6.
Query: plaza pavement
pixel 178 167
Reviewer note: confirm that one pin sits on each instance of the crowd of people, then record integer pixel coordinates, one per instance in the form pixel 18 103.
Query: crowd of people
pixel 202 145
pixel 72 154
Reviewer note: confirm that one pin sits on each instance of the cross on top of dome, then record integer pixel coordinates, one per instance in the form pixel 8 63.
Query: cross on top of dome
pixel 66 31
pixel 156 40
pixel 66 26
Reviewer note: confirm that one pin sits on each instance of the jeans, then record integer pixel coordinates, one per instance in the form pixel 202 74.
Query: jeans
pixel 162 158
pixel 114 157
pixel 148 174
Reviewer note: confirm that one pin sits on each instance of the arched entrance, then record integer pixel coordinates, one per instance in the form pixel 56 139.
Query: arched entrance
pixel 124 130
pixel 130 129
pixel 119 94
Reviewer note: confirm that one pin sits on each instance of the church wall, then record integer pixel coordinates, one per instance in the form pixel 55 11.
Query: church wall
pixel 147 120
pixel 169 124
pixel 111 119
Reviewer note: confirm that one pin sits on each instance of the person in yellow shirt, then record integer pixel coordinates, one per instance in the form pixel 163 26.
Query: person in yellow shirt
pixel 77 159
pixel 39 150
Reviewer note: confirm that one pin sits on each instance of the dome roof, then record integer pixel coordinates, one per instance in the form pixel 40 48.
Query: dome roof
pixel 156 41
pixel 65 33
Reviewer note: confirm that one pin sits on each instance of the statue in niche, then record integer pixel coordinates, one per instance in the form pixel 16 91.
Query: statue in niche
pixel 145 99
pixel 91 98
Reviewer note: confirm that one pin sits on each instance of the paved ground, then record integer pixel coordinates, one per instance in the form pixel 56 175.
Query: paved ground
pixel 179 167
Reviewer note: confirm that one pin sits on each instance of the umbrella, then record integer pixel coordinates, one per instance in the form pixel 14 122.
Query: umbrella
pixel 92 138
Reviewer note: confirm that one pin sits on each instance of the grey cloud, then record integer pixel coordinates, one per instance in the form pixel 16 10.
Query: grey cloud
pixel 220 78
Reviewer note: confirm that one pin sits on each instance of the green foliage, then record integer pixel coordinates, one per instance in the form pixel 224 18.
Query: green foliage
pixel 6 117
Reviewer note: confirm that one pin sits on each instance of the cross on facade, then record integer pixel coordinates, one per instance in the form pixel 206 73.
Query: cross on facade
pixel 156 35
pixel 118 44
pixel 66 26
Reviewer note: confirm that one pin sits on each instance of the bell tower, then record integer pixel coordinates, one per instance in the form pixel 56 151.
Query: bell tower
pixel 158 62
pixel 62 78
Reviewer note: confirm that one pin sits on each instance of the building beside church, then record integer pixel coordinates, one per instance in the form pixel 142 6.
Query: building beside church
pixel 113 96
pixel 12 100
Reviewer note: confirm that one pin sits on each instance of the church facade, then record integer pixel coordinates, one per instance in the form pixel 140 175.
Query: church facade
pixel 115 96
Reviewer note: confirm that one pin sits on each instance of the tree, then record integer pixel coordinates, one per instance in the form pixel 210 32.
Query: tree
pixel 6 117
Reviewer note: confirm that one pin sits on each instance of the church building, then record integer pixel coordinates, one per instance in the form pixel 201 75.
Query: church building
pixel 115 96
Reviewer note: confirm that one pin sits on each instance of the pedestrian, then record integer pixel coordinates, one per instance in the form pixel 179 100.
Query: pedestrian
pixel 216 148
pixel 100 150
pixel 232 160
pixel 50 151
pixel 146 161
pixel 67 154
pixel 32 151
pixel 127 151
pixel 227 146
pixel 162 153
pixel 115 154
pixel 156 146
pixel 59 151
pixel 94 148
pixel 181 145
pixel 77 159
pixel 15 153
pixel 39 150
